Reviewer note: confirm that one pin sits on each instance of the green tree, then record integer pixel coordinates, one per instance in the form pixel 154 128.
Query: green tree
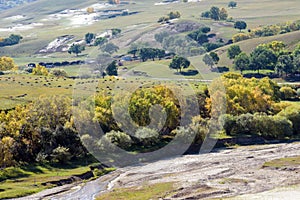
pixel 215 13
pixel 262 58
pixel 11 40
pixel 202 38
pixel 174 15
pixel 116 31
pixel 285 64
pixel 240 25
pixel 160 53
pixel 232 4
pixel 89 37
pixel 296 51
pixel 179 63
pixel 100 41
pixel 120 139
pixel 76 49
pixel 207 59
pixel 233 51
pixel 109 48
pixel 147 53
pixel 112 69
pixel 296 62
pixel 214 57
pixel 206 14
pixel 241 62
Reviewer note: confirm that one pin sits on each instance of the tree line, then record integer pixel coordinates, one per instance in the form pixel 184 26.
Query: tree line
pixel 273 56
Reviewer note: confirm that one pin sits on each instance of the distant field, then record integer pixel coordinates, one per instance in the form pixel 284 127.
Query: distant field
pixel 255 13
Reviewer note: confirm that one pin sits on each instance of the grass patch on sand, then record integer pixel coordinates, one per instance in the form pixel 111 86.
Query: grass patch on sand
pixel 283 162
pixel 153 191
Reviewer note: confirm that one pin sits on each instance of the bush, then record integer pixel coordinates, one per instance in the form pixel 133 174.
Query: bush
pixel 273 127
pixel 147 137
pixel 292 113
pixel 240 37
pixel 287 93
pixel 120 139
pixel 266 126
pixel 61 155
pixel 59 73
pixel 40 71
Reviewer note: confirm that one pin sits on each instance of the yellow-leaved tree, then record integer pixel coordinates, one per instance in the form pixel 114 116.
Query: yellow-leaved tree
pixel 40 70
pixel 7 63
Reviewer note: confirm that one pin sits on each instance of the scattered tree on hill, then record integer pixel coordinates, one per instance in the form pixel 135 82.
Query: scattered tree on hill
pixel 206 14
pixel 215 13
pixel 100 41
pixel 214 57
pixel 101 63
pixel 7 63
pixel 207 59
pixel 174 15
pixel 133 52
pixel 262 58
pixel 40 70
pixel 232 4
pixel 241 62
pixel 240 25
pixel 109 48
pixel 89 37
pixel 200 35
pixel 116 31
pixel 233 51
pixel 179 63
pixel 112 69
pixel 11 40
pixel 76 49
pixel 149 53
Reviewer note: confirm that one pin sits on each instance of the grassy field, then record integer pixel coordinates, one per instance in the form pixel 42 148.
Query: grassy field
pixel 21 89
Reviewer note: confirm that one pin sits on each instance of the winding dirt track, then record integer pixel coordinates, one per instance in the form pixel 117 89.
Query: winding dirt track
pixel 223 173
